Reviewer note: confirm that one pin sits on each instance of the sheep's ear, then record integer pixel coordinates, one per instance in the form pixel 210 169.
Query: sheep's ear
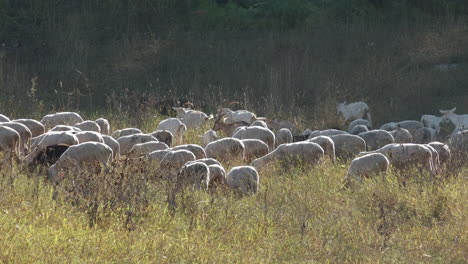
pixel 443 111
pixel 453 110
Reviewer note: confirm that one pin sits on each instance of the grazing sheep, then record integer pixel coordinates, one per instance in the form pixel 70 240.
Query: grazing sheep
pixel 175 126
pixel 362 122
pixel 244 179
pixel 142 149
pixel 432 122
pixel 389 126
pixel 195 174
pixel 225 149
pixel 9 143
pixel 4 118
pixel 367 166
pixel 127 142
pixel 410 125
pixel 63 128
pixel 48 156
pixel 359 129
pixel 283 136
pixel 259 123
pixel 217 176
pixel 327 132
pixel 424 135
pixel 263 134
pixel 275 125
pixel 459 121
pixel 348 146
pixel 88 125
pixel 36 127
pixel 78 155
pixel 376 139
pixel 254 148
pixel 191 118
pixel 228 129
pixel 126 132
pixel 307 152
pixel 197 150
pixel 61 118
pixel 208 137
pixel 24 132
pixel 327 145
pixel 237 116
pixel 157 155
pixel 402 135
pixel 103 125
pixel 164 136
pixel 174 159
pixel 459 141
pixel 89 136
pixel 353 111
pixel 408 154
pixel 114 145
pixel 443 150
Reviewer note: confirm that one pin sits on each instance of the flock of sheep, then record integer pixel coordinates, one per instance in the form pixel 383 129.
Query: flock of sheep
pixel 64 141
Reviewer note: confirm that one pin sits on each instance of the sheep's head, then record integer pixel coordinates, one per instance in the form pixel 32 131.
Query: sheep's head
pixel 446 114
pixel 219 121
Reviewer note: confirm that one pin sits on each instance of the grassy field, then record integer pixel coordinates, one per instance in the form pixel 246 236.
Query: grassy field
pixel 299 215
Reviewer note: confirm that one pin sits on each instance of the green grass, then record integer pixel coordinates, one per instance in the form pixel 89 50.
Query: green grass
pixel 298 216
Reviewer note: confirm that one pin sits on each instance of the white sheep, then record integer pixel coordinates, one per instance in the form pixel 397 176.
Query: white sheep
pixel 88 125
pixel 353 111
pixel 357 122
pixel 191 118
pixel 195 174
pixel 410 125
pixel 209 136
pixel 142 149
pixel 306 152
pixel 254 148
pixel 283 136
pixel 376 139
pixel 36 127
pixel 408 154
pixel 175 126
pixel 459 121
pixel 443 150
pixel 424 135
pixel 63 128
pixel 126 132
pixel 89 136
pixel 432 122
pixel 244 179
pixel 402 135
pixel 174 160
pixel 9 143
pixel 225 149
pixel 237 116
pixel 259 123
pixel 261 133
pixel 367 166
pixel 327 145
pixel 356 130
pixel 3 118
pixel 61 118
pixel 127 142
pixel 217 176
pixel 348 146
pixel 25 135
pixel 164 136
pixel 103 125
pixel 79 155
pixel 113 144
pixel 197 150
pixel 327 132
